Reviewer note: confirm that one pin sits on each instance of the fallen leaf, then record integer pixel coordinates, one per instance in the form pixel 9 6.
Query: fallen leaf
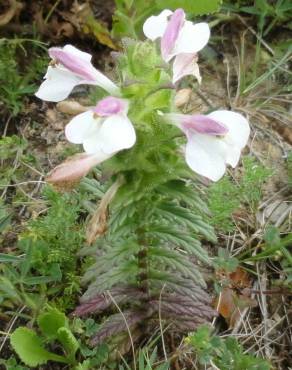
pixel 82 17
pixel 240 278
pixel 235 297
pixel 231 305
pixel 100 31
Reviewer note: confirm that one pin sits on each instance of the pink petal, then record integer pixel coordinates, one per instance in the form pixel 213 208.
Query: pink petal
pixel 68 173
pixel 203 125
pixel 237 125
pixel 185 64
pixel 74 63
pixel 110 105
pixel 171 33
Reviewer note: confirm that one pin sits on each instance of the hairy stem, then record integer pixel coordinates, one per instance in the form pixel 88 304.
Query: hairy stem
pixel 142 257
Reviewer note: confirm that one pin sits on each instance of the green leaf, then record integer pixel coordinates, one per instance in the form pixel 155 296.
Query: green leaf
pixel 8 288
pixel 28 346
pixel 69 342
pixel 5 219
pixel 51 321
pixel 35 280
pixel 196 7
pixel 159 99
pixel 9 258
pixel 272 236
pixel 85 365
pixel 26 264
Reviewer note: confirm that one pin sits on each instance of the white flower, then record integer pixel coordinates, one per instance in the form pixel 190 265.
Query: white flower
pixel 180 39
pixel 71 67
pixel 213 141
pixel 104 130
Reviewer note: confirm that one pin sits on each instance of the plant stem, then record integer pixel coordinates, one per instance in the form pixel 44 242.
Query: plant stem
pixel 142 257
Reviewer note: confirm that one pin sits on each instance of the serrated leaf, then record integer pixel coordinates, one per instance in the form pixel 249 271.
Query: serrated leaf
pixel 51 321
pixel 85 365
pixel 69 342
pixel 195 7
pixel 28 346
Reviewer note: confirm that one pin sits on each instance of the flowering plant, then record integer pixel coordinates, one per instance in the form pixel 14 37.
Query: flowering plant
pixel 148 248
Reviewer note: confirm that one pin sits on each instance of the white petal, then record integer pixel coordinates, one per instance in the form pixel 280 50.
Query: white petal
pixel 155 25
pixel 104 82
pixel 232 155
pixel 81 127
pixel 206 156
pixel 237 125
pixel 92 144
pixel 185 65
pixel 58 84
pixel 192 38
pixel 117 133
pixel 78 53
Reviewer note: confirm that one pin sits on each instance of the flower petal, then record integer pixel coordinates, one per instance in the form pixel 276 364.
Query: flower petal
pixel 203 125
pixel 78 63
pixel 104 82
pixel 74 63
pixel 238 127
pixel 171 33
pixel 192 38
pixel 155 26
pixel 78 53
pixel 92 144
pixel 73 169
pixel 196 123
pixel 111 105
pixel 117 133
pixel 184 65
pixel 232 155
pixel 206 156
pixel 81 127
pixel 58 84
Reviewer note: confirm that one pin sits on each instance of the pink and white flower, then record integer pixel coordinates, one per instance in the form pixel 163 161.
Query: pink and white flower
pixel 71 67
pixel 104 130
pixel 213 141
pixel 180 39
